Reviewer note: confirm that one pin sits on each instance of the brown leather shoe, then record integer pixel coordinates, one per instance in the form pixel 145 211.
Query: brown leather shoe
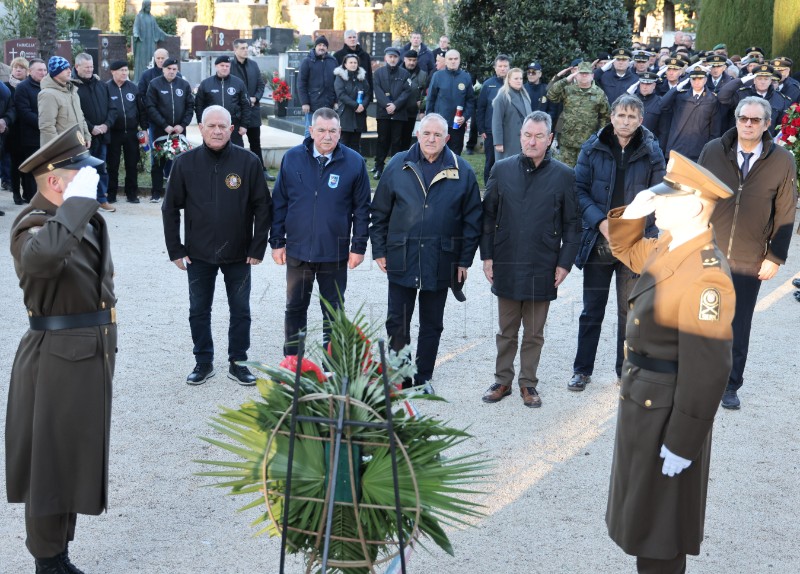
pixel 495 393
pixel 530 398
pixel 107 207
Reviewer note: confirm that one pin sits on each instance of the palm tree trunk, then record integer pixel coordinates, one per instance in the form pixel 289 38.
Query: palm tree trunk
pixel 46 28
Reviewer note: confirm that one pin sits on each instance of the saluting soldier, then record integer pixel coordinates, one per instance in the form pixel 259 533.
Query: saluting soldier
pixel 673 75
pixel 716 73
pixel 59 400
pixel 678 343
pixel 690 116
pixel 787 85
pixel 617 79
pixel 740 88
pixel 645 90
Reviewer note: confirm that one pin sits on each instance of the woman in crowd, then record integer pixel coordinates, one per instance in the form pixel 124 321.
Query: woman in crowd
pixel 351 80
pixel 511 106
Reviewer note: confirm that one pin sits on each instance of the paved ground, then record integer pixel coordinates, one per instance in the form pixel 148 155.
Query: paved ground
pixel 546 503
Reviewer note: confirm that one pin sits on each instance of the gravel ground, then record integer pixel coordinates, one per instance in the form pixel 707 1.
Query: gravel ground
pixel 546 503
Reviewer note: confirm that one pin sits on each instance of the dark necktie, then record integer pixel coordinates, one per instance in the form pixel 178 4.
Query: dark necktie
pixel 697 97
pixel 746 164
pixel 323 160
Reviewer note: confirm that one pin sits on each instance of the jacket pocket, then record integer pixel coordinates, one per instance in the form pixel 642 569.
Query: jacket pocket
pixel 396 249
pixel 73 347
pixel 649 390
pixel 448 257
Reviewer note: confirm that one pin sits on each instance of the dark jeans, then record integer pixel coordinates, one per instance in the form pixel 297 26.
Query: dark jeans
pixel 746 288
pixel 25 181
pixel 488 151
pixel 160 171
pixel 236 139
pixel 408 132
pixel 332 281
pixel 456 141
pixel 352 140
pixel 100 150
pixel 202 277
pixel 431 324
pixel 123 144
pixel 596 287
pixel 254 139
pixel 389 134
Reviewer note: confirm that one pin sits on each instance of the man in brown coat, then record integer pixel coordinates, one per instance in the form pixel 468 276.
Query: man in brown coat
pixel 59 400
pixel 678 355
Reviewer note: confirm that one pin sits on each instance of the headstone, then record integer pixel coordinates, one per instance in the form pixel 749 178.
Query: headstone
pixel 374 43
pixel 171 44
pixel 112 47
pixel 64 49
pixel 305 43
pixel 295 58
pixel 280 39
pixel 294 107
pixel 220 39
pixel 88 39
pixel 335 39
pixel 20 48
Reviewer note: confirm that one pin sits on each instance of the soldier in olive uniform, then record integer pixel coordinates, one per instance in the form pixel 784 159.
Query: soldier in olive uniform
pixel 585 109
pixel 678 356
pixel 59 400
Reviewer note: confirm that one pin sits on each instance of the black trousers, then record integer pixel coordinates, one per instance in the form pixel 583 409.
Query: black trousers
pixel 488 152
pixel 389 136
pixel 332 281
pixel 22 182
pixel 352 140
pixel 456 141
pixel 472 141
pixel 431 324
pixel 49 535
pixel 408 130
pixel 675 565
pixel 236 139
pixel 123 144
pixel 254 139
pixel 746 288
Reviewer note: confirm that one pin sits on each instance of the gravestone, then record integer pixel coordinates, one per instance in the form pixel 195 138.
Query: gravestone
pixel 112 48
pixel 171 44
pixel 64 49
pixel 374 43
pixel 335 39
pixel 295 58
pixel 89 41
pixel 221 39
pixel 280 39
pixel 294 107
pixel 20 48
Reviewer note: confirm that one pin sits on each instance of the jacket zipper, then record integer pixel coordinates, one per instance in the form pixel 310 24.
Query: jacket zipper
pixel 124 115
pixel 424 206
pixel 222 83
pixel 172 98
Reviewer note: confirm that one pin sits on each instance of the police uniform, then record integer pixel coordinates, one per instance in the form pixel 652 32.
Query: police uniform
pixel 735 91
pixel 676 64
pixel 678 355
pixel 717 61
pixel 651 103
pixel 789 87
pixel 59 399
pixel 689 122
pixel 612 84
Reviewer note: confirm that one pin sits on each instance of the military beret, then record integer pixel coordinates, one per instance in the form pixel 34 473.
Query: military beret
pixel 717 60
pixel 720 47
pixel 781 63
pixel 685 177
pixel 170 62
pixel 648 78
pixel 391 50
pixel 575 62
pixel 117 65
pixel 603 56
pixel 621 54
pixel 754 50
pixel 763 70
pixel 411 54
pixel 67 151
pixel 675 63
pixel 222 60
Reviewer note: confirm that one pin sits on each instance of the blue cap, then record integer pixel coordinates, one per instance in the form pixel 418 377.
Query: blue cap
pixel 56 65
pixel 575 62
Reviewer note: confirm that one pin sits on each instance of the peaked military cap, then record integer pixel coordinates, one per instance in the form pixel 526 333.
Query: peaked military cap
pixel 781 63
pixel 648 78
pixel 763 70
pixel 717 60
pixel 621 53
pixel 685 177
pixel 67 151
pixel 675 63
pixel 698 72
pixel 641 56
pixel 754 50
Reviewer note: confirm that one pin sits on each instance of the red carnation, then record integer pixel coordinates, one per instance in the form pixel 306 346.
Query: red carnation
pixel 790 131
pixel 785 119
pixel 290 363
pixel 796 122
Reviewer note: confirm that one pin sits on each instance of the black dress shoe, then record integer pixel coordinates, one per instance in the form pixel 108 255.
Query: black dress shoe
pixel 202 372
pixel 19 201
pixel 133 200
pixel 797 296
pixel 241 375
pixel 795 282
pixel 52 565
pixel 68 565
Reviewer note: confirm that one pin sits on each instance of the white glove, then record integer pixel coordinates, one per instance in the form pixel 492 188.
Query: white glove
pixel 683 84
pixel 632 89
pixel 607 65
pixel 693 66
pixel 673 464
pixel 748 78
pixel 84 184
pixel 662 70
pixel 642 205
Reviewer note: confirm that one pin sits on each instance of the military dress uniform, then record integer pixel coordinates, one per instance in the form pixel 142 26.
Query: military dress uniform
pixel 689 122
pixel 735 91
pixel 59 400
pixel 678 355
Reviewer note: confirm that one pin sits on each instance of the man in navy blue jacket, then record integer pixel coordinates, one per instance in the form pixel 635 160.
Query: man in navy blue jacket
pixel 447 91
pixel 320 198
pixel 315 82
pixel 484 115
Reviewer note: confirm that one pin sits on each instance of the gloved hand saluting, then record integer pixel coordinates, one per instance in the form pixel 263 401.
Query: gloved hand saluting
pixel 673 464
pixel 84 184
pixel 642 205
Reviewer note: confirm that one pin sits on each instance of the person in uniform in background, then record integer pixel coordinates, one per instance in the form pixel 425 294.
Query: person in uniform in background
pixel 716 73
pixel 228 91
pixel 59 400
pixel 227 212
pixel 690 117
pixel 645 90
pixel 448 90
pixel 787 85
pixel 131 117
pixel 678 340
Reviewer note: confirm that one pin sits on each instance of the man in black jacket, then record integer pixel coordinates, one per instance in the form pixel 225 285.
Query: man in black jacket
pixel 418 81
pixel 131 117
pixel 170 104
pixel 27 107
pixel 227 214
pixel 248 72
pixel 754 228
pixel 100 115
pixel 530 239
pixel 7 116
pixel 351 46
pixel 223 89
pixel 315 81
pixel 392 91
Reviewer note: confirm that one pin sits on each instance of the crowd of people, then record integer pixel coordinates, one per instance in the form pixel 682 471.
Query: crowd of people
pixel 690 216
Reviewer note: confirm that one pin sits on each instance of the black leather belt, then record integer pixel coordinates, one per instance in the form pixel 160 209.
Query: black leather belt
pixel 57 322
pixel 651 364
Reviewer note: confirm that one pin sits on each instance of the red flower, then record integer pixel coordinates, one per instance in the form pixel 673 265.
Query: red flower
pixel 290 363
pixel 785 119
pixel 796 122
pixel 785 137
pixel 790 131
pixel 793 107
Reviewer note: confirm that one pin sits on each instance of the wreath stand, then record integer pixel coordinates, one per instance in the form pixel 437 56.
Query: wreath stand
pixel 340 425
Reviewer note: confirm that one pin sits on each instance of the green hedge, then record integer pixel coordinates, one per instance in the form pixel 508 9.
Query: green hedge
pixel 737 23
pixel 786 31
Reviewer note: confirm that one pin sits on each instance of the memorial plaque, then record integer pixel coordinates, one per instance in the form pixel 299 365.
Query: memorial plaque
pixel 374 43
pixel 295 58
pixel 89 41
pixel 112 48
pixel 220 39
pixel 281 39
pixel 20 48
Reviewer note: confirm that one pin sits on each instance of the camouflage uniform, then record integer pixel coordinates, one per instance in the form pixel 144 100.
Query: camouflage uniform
pixel 585 111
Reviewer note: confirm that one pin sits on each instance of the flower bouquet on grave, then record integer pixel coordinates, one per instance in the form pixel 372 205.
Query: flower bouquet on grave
pixel 169 147
pixel 355 517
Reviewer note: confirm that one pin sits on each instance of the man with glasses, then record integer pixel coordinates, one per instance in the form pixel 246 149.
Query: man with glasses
pixel 761 86
pixel 754 228
pixel 425 225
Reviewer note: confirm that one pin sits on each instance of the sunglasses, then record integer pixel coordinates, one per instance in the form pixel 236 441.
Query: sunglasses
pixel 745 120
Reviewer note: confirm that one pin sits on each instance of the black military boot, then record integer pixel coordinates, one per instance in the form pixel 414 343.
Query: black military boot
pixel 68 565
pixel 52 565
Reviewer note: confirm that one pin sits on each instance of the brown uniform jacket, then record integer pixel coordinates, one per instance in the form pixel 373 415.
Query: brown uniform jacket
pixel 59 400
pixel 680 310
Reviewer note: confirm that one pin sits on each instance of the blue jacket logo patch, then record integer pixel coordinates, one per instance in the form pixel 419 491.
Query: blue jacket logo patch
pixel 333 181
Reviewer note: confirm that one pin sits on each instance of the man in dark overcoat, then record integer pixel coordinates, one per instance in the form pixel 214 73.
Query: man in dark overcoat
pixel 530 239
pixel 59 400
pixel 678 355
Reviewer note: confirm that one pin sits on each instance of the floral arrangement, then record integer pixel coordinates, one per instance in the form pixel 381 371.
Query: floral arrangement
pixel 788 136
pixel 258 47
pixel 171 146
pixel 280 89
pixel 434 489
